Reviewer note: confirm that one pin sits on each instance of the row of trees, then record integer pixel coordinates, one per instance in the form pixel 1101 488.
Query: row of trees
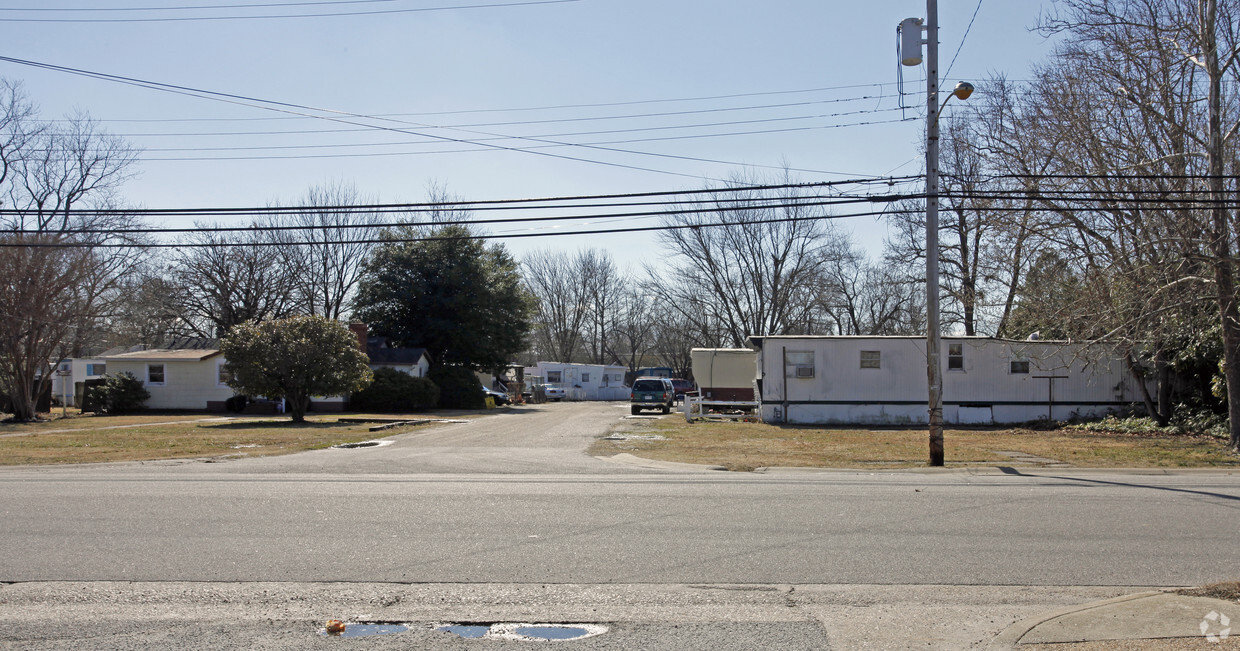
pixel 1096 200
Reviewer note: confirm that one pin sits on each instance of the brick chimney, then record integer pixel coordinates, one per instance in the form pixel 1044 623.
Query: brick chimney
pixel 362 333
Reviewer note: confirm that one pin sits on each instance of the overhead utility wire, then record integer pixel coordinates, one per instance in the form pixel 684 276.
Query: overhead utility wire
pixel 196 7
pixel 752 205
pixel 551 121
pixel 665 100
pixel 333 14
pixel 482 204
pixel 576 133
pixel 294 109
pixel 401 240
pixel 593 145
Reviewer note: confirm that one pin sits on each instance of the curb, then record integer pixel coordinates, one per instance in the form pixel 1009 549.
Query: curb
pixel 1011 636
pixel 640 462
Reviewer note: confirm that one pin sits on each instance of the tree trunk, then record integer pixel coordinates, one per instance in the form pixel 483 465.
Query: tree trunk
pixel 1220 231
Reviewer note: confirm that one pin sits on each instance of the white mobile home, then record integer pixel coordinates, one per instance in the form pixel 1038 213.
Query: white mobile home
pixel 882 380
pixel 724 373
pixel 583 381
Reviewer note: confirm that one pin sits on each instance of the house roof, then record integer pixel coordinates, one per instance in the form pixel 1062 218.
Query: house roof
pixel 380 356
pixel 165 355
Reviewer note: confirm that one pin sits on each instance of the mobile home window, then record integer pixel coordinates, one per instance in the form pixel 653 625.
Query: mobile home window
pixel 154 373
pixel 585 377
pixel 955 357
pixel 1019 366
pixel 871 359
pixel 799 364
pixel 554 376
pixel 96 369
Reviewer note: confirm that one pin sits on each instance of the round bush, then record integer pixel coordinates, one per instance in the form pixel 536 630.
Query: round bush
pixel 119 394
pixel 393 390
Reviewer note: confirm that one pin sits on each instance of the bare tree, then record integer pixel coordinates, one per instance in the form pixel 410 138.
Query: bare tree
pixel 553 280
pixel 1153 134
pixel 225 278
pixel 748 260
pixel 861 298
pixel 64 260
pixel 327 245
pixel 633 339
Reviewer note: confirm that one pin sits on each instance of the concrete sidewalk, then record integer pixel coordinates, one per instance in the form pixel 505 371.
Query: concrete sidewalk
pixel 1142 621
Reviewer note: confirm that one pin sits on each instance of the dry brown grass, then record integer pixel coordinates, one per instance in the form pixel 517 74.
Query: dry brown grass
pixel 148 437
pixel 746 446
pixel 1227 591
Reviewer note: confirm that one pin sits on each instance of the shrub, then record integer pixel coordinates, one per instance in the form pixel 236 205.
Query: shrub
pixel 236 404
pixel 119 394
pixel 393 390
pixel 459 388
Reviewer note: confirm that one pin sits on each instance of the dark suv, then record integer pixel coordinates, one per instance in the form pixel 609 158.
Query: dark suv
pixel 652 393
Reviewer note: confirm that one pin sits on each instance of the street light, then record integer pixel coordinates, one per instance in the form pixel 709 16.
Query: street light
pixel 910 30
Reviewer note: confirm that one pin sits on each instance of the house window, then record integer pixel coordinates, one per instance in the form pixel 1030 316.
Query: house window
pixel 585 377
pixel 955 357
pixel 154 373
pixel 871 359
pixel 1019 366
pixel 554 376
pixel 799 364
pixel 222 374
pixel 96 369
pixel 66 367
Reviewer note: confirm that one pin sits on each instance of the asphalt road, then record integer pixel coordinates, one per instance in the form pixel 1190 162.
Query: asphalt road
pixel 505 516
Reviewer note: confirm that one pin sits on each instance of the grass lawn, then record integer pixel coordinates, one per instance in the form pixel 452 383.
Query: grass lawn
pixel 747 446
pixel 145 437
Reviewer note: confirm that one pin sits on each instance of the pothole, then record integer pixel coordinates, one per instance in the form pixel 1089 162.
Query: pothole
pixel 524 631
pixel 366 630
pixel 362 444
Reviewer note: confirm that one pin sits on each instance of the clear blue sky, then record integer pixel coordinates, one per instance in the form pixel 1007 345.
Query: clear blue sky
pixel 816 70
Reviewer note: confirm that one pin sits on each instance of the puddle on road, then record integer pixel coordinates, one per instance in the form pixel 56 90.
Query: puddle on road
pixel 367 630
pixel 526 632
pixel 362 444
pixel 552 632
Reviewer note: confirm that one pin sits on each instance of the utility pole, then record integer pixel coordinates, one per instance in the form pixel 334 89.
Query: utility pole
pixel 934 370
pixel 910 55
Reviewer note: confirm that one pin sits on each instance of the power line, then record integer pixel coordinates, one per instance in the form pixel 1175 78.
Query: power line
pixel 486 204
pixel 678 208
pixel 963 39
pixel 530 108
pixel 196 7
pixel 577 133
pixel 335 14
pixel 406 240
pixel 296 109
pixel 549 121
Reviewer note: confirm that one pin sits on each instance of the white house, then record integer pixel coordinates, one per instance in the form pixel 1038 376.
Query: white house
pixel 583 381
pixel 412 361
pixel 882 380
pixel 177 378
pixel 189 374
pixel 70 373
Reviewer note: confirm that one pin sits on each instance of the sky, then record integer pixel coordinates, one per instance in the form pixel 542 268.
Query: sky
pixel 504 99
